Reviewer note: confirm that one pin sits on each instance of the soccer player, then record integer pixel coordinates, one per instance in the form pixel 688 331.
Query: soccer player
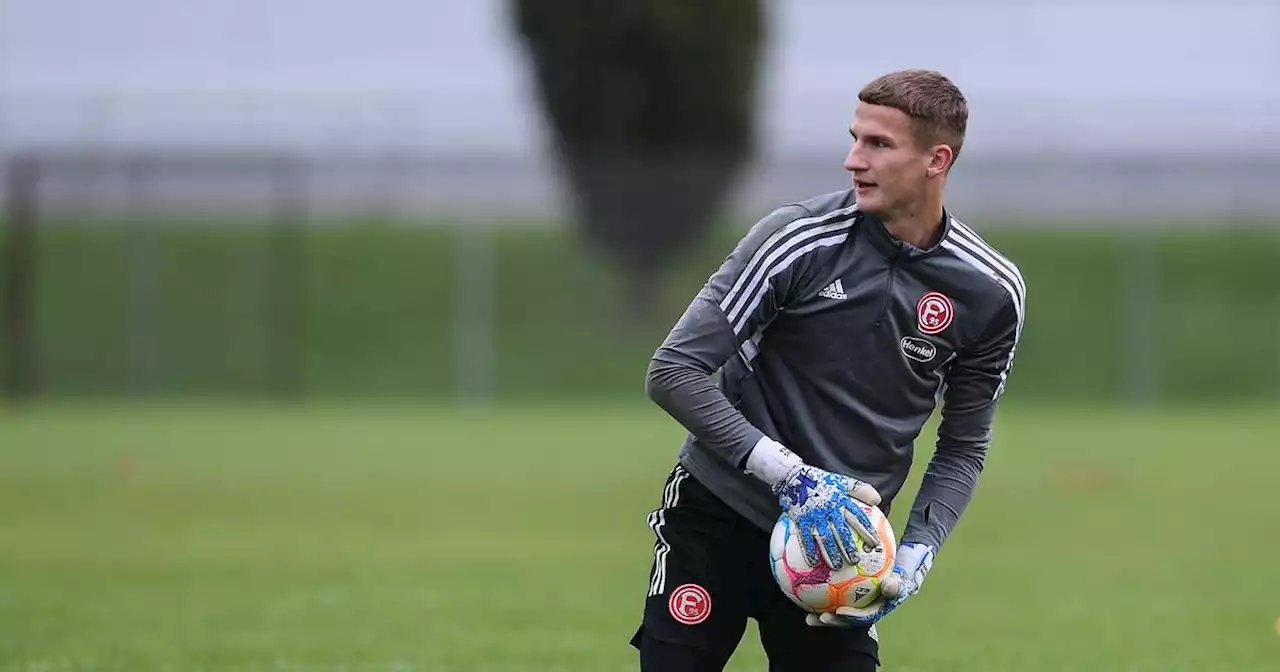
pixel 836 325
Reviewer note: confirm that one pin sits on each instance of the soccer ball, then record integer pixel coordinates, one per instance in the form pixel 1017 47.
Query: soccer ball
pixel 822 589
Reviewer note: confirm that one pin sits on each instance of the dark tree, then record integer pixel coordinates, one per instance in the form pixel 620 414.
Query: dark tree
pixel 652 108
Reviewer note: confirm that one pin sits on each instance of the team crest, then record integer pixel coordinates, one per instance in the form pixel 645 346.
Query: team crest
pixel 690 604
pixel 933 313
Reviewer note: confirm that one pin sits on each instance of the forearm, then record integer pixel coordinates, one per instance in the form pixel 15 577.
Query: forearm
pixel 947 488
pixel 691 397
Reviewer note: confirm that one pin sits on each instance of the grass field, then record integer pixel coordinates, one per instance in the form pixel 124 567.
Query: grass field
pixel 400 538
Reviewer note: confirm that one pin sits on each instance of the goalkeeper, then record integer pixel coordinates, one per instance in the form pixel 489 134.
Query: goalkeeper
pixel 836 325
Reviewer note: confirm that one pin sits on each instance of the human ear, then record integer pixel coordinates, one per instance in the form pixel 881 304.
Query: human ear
pixel 939 160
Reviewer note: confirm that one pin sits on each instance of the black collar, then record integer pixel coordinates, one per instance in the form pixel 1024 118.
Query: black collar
pixel 892 247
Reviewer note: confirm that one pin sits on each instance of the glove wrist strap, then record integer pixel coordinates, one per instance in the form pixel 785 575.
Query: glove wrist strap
pixel 771 462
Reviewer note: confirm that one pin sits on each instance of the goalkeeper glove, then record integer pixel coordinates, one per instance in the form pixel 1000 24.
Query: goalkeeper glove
pixel 912 564
pixel 820 503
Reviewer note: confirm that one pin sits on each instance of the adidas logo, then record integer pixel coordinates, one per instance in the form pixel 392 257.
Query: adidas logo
pixel 834 290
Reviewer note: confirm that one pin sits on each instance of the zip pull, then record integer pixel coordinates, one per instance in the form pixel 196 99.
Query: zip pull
pixel 888 292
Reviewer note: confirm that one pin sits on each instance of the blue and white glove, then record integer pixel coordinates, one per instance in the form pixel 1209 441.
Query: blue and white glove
pixel 911 565
pixel 821 504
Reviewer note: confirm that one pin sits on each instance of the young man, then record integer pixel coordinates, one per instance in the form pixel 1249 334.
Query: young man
pixel 836 325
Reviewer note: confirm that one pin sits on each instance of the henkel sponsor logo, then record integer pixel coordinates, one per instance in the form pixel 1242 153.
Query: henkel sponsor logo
pixel 918 349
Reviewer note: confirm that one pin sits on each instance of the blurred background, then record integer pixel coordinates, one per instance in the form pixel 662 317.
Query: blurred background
pixel 250 197
pixel 468 224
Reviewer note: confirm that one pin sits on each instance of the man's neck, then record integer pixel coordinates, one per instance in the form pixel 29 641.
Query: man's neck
pixel 920 228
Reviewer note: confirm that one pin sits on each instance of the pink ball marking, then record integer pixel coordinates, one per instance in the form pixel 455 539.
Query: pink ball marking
pixel 815 576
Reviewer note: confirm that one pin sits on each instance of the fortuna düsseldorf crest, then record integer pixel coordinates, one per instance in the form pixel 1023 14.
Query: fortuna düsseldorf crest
pixel 690 604
pixel 933 313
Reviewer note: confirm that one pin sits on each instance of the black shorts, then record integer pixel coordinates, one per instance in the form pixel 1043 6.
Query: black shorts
pixel 710 574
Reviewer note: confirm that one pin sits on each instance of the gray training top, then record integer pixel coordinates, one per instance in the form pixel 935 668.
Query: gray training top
pixel 837 340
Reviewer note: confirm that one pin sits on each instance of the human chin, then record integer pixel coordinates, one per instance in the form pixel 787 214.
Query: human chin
pixel 869 196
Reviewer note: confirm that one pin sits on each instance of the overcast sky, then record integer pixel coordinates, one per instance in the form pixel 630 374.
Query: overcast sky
pixel 446 74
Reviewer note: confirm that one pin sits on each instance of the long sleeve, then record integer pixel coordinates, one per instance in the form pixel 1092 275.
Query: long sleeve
pixel 974 386
pixel 765 269
pixel 680 381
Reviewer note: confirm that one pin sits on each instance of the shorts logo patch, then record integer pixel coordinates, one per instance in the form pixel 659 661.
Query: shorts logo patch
pixel 918 349
pixel 934 312
pixel 690 604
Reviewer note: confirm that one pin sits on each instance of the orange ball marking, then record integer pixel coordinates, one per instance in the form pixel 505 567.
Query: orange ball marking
pixel 837 591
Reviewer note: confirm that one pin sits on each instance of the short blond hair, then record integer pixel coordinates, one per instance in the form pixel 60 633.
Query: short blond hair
pixel 938 110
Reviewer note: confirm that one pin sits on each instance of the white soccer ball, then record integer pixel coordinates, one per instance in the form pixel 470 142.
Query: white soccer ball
pixel 822 589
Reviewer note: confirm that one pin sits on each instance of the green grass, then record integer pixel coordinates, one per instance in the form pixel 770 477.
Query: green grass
pixel 420 538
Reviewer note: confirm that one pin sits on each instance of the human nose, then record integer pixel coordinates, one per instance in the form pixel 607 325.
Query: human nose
pixel 854 160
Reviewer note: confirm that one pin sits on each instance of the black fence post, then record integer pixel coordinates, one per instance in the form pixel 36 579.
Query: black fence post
pixel 288 293
pixel 20 370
